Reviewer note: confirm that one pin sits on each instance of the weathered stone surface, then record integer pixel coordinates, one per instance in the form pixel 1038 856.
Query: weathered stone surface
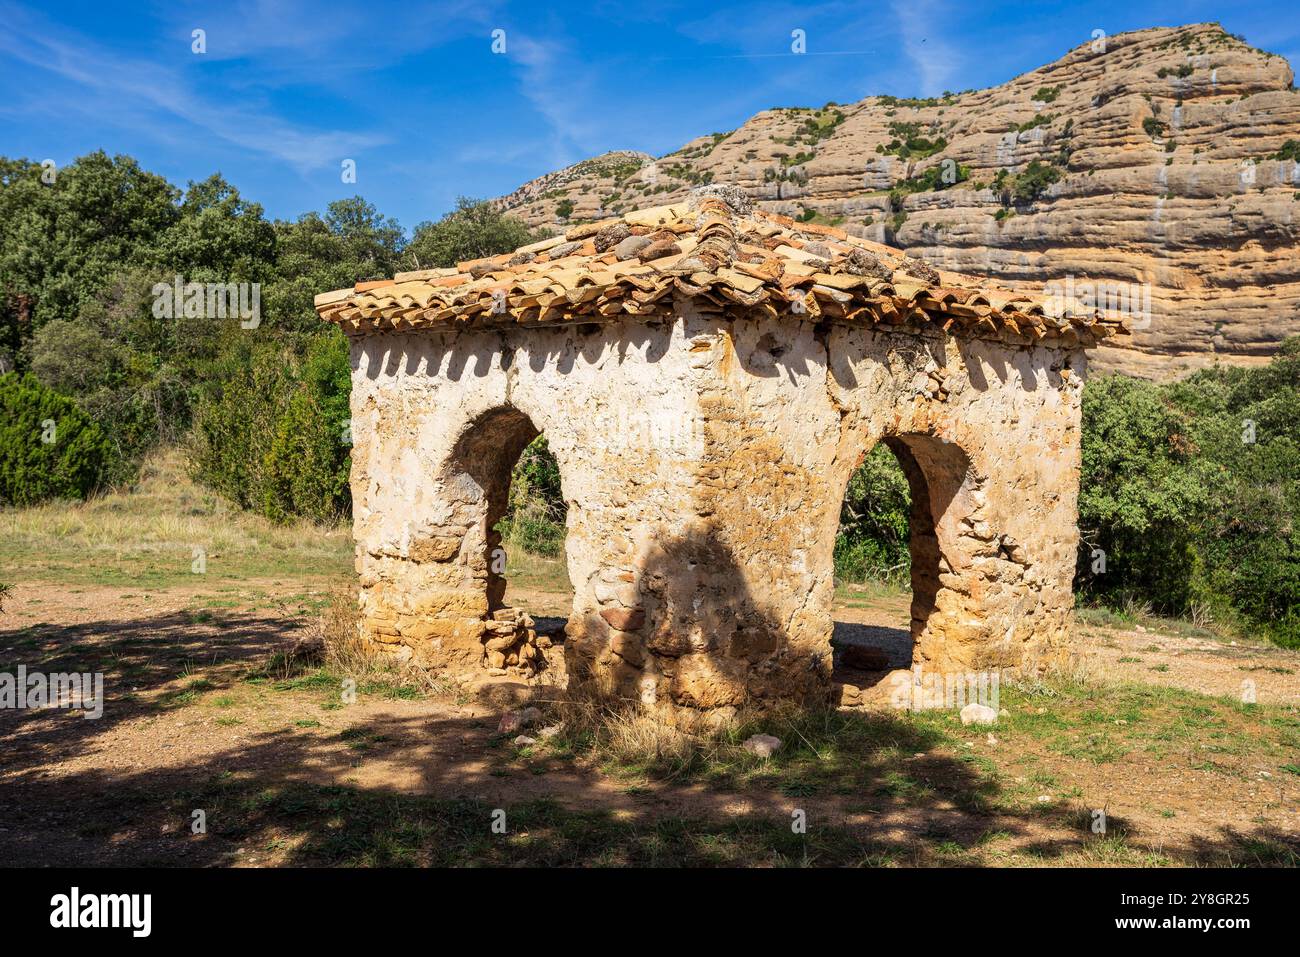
pixel 438 549
pixel 705 460
pixel 624 619
pixel 1165 141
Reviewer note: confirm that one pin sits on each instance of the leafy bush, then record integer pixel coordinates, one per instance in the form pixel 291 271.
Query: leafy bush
pixel 271 430
pixel 873 539
pixel 49 448
pixel 1193 491
pixel 1033 182
pixel 473 230
pixel 908 142
pixel 535 513
pixel 1139 495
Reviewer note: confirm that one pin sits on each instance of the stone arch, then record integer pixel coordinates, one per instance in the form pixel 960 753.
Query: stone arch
pixel 476 475
pixel 477 471
pixel 937 472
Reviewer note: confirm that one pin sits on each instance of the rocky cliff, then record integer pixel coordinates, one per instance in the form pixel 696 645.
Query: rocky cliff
pixel 1157 172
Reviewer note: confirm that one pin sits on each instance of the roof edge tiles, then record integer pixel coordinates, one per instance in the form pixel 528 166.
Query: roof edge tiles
pixel 726 257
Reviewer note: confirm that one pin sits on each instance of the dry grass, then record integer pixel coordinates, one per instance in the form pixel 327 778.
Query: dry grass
pixel 624 733
pixel 150 533
pixel 625 737
pixel 334 640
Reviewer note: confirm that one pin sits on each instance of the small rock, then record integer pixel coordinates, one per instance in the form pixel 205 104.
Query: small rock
pixel 860 262
pixel 631 246
pixel 510 722
pixel 549 732
pixel 920 269
pixel 611 236
pixel 978 714
pixel 524 741
pixel 1044 798
pixel 1004 713
pixel 764 745
pixel 733 196
pixel 991 739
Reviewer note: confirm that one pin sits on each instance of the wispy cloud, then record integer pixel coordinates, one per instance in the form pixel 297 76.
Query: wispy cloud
pixel 566 98
pixel 293 41
pixel 936 60
pixel 134 93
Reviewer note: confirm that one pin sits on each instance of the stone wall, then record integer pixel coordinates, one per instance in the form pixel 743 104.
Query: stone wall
pixel 703 462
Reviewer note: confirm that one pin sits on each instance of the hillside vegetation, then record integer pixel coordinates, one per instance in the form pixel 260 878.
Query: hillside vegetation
pixel 1191 490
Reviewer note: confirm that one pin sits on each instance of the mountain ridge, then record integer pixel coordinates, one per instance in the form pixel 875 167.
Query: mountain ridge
pixel 1162 162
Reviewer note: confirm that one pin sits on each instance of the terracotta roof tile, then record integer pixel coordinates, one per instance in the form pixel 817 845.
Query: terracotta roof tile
pixel 730 260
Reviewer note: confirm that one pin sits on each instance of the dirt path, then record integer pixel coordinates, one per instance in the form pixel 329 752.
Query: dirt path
pixel 184 716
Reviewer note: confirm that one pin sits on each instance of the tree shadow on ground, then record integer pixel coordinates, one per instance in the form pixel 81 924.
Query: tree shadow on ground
pixel 146 665
pixel 289 797
pixel 425 786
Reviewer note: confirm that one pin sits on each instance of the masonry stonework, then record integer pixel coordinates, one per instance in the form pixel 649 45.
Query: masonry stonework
pixel 705 440
pixel 703 462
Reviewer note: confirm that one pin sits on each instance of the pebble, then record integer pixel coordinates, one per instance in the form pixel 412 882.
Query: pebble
pixel 764 745
pixel 978 714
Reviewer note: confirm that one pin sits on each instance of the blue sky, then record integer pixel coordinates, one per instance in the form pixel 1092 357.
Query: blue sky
pixel 414 94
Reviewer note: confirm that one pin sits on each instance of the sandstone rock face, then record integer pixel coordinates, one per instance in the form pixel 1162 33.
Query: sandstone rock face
pixel 1163 166
pixel 703 459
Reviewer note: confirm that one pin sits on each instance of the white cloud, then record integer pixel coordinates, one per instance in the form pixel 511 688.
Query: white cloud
pixel 140 94
pixel 936 60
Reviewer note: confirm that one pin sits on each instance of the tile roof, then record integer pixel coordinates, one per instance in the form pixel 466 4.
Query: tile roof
pixel 726 256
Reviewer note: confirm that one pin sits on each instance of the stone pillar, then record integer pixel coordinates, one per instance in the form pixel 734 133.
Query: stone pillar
pixel 713 589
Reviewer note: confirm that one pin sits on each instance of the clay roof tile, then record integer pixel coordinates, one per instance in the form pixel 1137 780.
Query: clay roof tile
pixel 748 262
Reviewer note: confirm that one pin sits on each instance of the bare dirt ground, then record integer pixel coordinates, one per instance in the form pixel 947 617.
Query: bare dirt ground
pixel 286 772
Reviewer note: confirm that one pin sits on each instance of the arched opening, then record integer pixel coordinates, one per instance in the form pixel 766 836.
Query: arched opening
pixel 890 553
pixel 532 529
pixel 512 481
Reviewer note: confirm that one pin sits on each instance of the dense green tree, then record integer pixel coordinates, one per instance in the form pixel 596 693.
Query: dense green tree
pixel 62 242
pixel 218 236
pixel 472 230
pixel 874 532
pixel 48 447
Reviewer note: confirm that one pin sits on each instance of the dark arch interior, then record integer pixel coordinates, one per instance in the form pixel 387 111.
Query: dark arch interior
pixel 490 455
